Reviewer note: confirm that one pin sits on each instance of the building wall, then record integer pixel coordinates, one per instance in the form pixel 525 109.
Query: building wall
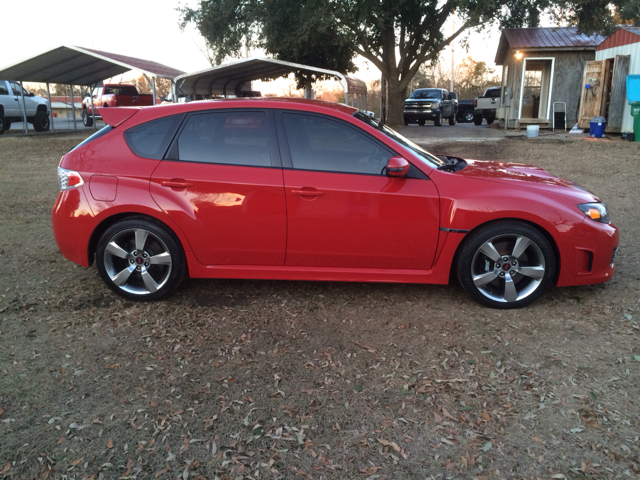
pixel 633 50
pixel 568 70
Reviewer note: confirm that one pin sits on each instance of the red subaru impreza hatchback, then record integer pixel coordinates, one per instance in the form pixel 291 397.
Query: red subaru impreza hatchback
pixel 308 190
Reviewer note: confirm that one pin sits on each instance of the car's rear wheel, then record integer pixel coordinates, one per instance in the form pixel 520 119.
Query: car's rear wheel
pixel 506 265
pixel 468 117
pixel 140 260
pixel 438 120
pixel 421 123
pixel 452 120
pixel 477 119
pixel 87 120
pixel 489 120
pixel 406 121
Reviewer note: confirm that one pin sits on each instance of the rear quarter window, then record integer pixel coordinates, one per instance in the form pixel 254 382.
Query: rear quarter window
pixel 151 139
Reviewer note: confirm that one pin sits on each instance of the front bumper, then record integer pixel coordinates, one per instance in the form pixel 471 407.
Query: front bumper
pixel 587 256
pixel 414 115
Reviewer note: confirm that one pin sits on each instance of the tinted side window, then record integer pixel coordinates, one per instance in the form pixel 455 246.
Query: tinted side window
pixel 317 143
pixel 3 88
pixel 151 139
pixel 232 138
pixel 495 93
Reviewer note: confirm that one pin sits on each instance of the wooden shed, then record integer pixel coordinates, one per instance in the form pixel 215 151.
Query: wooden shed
pixel 542 66
pixel 616 57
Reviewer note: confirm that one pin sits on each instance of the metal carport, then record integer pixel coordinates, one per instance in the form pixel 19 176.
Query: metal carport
pixel 69 65
pixel 230 78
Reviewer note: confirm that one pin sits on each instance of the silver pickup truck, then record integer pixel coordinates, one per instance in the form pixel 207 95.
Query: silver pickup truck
pixel 11 107
pixel 486 106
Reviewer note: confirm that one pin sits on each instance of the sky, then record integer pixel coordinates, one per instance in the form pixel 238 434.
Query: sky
pixel 150 30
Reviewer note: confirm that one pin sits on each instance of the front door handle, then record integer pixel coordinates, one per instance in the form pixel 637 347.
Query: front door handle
pixel 307 192
pixel 177 183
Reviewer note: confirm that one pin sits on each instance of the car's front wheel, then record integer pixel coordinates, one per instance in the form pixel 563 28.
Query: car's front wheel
pixel 452 120
pixel 3 125
pixel 140 259
pixel 41 121
pixel 506 265
pixel 87 120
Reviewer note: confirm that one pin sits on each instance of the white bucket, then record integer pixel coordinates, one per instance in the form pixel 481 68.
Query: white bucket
pixel 533 130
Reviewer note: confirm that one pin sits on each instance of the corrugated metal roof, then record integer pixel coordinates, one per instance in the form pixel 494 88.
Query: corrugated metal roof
pixel 545 38
pixel 228 79
pixel 623 36
pixel 70 65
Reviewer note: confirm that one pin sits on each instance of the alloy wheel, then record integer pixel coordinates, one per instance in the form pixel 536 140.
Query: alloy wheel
pixel 137 261
pixel 508 268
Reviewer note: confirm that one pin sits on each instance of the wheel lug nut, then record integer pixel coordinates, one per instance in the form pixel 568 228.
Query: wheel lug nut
pixel 146 264
pixel 498 265
pixel 512 272
pixel 131 262
pixel 144 255
pixel 138 268
pixel 514 263
pixel 502 274
pixel 506 259
pixel 135 253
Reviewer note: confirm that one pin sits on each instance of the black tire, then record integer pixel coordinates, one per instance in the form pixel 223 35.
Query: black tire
pixel 490 120
pixel 421 123
pixel 3 125
pixel 87 120
pixel 406 121
pixel 492 262
pixel 477 119
pixel 134 274
pixel 452 120
pixel 468 117
pixel 41 121
pixel 7 125
pixel 438 120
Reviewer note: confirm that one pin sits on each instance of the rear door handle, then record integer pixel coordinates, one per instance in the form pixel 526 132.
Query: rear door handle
pixel 177 183
pixel 303 192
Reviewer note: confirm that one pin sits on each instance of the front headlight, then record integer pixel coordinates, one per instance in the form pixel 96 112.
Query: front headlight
pixel 595 211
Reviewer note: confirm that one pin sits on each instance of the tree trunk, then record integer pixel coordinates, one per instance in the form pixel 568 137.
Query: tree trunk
pixel 395 100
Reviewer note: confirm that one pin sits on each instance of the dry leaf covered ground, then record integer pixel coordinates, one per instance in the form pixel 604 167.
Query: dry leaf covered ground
pixel 265 379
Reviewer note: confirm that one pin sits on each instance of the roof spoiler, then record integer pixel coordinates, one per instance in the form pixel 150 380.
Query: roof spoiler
pixel 114 116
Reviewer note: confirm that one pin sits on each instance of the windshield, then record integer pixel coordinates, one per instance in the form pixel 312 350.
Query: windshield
pixel 417 150
pixel 427 93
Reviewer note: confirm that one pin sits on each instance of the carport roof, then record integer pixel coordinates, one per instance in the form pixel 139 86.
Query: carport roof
pixel 69 65
pixel 229 78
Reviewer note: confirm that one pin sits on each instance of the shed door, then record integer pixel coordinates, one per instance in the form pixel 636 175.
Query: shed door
pixel 618 93
pixel 591 99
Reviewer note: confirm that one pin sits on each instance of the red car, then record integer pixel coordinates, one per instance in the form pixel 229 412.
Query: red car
pixel 308 190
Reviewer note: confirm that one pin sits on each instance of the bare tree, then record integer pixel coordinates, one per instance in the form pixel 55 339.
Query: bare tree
pixel 163 86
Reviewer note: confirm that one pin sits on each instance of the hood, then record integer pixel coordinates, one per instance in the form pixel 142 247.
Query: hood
pixel 526 175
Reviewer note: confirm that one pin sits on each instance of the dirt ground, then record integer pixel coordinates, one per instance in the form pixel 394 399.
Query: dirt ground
pixel 266 379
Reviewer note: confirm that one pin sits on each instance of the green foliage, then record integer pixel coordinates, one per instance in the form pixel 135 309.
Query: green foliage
pixel 397 36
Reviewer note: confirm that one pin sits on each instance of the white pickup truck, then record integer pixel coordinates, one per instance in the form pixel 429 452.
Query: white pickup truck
pixel 11 107
pixel 486 106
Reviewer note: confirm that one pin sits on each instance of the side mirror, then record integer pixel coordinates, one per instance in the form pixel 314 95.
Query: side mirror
pixel 87 94
pixel 398 167
pixel 31 94
pixel 452 96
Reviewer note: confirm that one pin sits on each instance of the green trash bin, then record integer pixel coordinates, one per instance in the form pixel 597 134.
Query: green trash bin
pixel 635 112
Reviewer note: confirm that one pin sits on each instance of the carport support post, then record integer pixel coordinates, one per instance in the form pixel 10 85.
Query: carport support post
pixel 73 107
pixel 25 126
pixel 152 85
pixel 93 109
pixel 50 107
